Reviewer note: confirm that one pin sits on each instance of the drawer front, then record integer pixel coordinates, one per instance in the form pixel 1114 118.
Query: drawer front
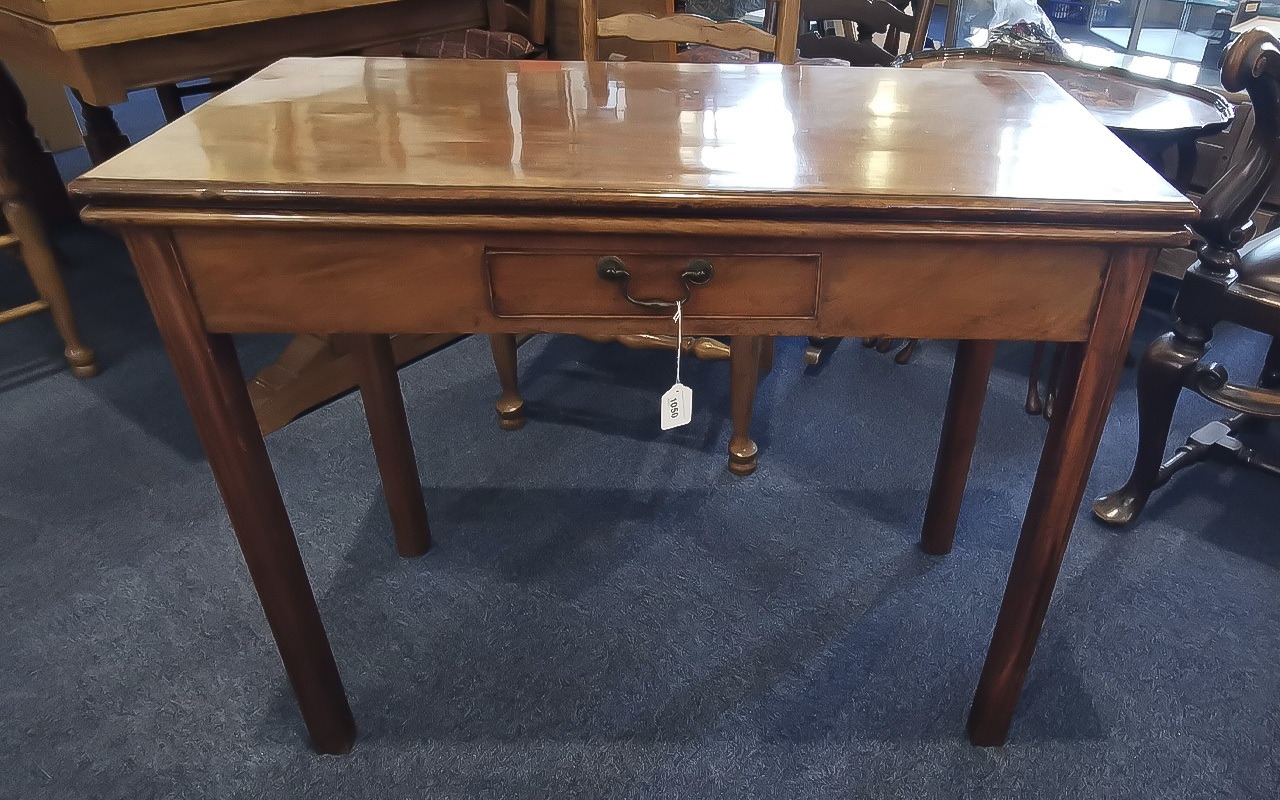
pixel 565 283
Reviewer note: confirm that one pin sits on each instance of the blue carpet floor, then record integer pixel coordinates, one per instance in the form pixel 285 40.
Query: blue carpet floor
pixel 606 611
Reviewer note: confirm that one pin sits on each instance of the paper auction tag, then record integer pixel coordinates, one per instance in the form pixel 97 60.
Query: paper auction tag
pixel 677 407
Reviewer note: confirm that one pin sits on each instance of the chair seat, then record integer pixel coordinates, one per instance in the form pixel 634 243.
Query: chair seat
pixel 1260 263
pixel 472 43
pixel 1254 300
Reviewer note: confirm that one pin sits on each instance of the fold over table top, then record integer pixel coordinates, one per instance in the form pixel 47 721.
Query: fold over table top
pixel 370 135
pixel 80 24
pixel 70 10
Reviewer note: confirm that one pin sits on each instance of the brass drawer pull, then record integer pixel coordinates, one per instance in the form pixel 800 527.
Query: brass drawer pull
pixel 611 269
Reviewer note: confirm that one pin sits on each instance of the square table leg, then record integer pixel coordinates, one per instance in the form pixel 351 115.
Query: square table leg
pixel 969 380
pixel 1090 376
pixel 214 388
pixel 389 429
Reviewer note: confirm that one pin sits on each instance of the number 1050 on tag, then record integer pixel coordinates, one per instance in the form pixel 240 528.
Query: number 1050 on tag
pixel 677 407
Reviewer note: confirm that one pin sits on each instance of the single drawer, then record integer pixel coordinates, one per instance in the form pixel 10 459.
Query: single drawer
pixel 565 283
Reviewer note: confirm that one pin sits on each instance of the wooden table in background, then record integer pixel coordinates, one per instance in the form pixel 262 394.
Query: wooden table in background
pixel 485 196
pixel 1151 115
pixel 106 48
pixel 103 49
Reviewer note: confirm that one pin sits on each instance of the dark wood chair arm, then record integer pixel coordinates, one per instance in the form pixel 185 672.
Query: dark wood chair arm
pixel 1210 382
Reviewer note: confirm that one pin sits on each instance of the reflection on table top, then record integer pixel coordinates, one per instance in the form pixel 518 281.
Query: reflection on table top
pixel 687 135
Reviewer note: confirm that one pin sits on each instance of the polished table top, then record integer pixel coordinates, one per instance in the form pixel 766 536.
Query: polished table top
pixel 742 138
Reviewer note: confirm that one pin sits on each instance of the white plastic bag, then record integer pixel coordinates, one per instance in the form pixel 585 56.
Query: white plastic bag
pixel 1012 23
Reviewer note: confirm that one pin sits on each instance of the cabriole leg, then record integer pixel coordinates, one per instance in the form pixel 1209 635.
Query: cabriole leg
pixel 1161 376
pixel 511 405
pixel 744 365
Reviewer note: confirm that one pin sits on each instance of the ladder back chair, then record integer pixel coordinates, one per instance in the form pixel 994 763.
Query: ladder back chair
pixel 1232 282
pixel 695 29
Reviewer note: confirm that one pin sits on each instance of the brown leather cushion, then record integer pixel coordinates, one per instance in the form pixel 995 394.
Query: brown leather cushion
pixel 473 43
pixel 1260 263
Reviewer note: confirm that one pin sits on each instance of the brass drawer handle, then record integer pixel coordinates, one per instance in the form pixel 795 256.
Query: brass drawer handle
pixel 611 269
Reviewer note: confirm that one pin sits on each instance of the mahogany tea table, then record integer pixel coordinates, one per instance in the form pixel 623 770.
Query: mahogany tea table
pixel 375 196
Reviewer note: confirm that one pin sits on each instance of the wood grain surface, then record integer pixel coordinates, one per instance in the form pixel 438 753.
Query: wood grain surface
pixel 616 136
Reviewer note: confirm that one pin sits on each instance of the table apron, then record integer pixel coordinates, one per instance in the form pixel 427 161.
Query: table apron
pixel 406 281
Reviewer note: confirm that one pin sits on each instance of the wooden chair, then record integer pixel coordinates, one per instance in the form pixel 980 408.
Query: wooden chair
pixel 26 231
pixel 1231 282
pixel 865 22
pixel 677 29
pixel 868 19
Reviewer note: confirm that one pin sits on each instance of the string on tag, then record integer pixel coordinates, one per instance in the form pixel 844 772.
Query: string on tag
pixel 679 336
pixel 676 406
